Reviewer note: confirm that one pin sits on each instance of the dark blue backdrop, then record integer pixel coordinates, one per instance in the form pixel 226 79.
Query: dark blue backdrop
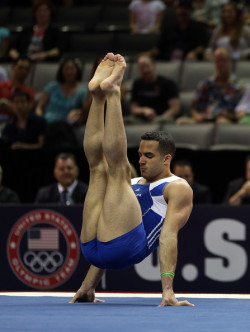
pixel 213 253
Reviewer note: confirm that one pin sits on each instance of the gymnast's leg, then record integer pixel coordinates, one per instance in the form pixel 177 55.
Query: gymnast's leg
pixel 121 211
pixel 93 140
pixel 111 209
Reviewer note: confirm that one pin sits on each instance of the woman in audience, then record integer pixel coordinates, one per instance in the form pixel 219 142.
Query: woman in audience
pixel 231 33
pixel 65 99
pixel 41 41
pixel 218 95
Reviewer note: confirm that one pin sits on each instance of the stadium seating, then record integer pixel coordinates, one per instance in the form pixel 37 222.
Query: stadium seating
pixel 231 137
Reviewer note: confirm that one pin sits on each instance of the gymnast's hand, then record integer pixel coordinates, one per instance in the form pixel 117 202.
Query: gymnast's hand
pixel 85 296
pixel 169 299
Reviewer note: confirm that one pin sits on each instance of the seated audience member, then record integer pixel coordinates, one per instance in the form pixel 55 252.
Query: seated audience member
pixel 217 96
pixel 238 190
pixel 67 189
pixel 7 195
pixel 208 12
pixel 183 39
pixel 201 193
pixel 200 11
pixel 65 99
pixel 145 16
pixel 154 97
pixel 232 33
pixel 243 107
pixel 26 130
pixel 3 74
pixel 20 69
pixel 4 43
pixel 41 41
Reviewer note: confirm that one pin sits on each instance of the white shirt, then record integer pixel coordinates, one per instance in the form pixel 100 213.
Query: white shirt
pixel 70 190
pixel 146 13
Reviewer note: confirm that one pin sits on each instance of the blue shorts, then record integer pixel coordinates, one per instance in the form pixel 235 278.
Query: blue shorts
pixel 119 253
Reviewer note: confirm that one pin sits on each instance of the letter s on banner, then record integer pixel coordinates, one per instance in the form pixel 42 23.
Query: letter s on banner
pixel 234 253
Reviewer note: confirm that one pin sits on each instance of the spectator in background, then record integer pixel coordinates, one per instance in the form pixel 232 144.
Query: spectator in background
pixel 68 3
pixel 183 39
pixel 3 74
pixel 134 173
pixel 145 16
pixel 68 190
pixel 26 130
pixel 154 97
pixel 7 195
pixel 243 107
pixel 4 43
pixel 65 99
pixel 231 33
pixel 238 190
pixel 217 96
pixel 200 12
pixel 201 193
pixel 208 11
pixel 20 69
pixel 41 41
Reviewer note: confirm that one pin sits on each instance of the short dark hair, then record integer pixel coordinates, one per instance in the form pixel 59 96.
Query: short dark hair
pixel 64 156
pixel 21 93
pixel 77 63
pixel 39 3
pixel 144 55
pixel 166 141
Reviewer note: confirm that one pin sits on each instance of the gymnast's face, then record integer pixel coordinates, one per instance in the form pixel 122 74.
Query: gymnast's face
pixel 66 171
pixel 153 165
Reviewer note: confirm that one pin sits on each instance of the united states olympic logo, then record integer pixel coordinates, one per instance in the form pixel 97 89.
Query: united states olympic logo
pixel 43 249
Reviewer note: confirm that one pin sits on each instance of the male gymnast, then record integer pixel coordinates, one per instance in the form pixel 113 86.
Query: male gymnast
pixel 123 224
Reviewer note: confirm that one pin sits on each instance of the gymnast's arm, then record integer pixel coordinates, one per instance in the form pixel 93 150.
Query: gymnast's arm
pixel 86 293
pixel 179 196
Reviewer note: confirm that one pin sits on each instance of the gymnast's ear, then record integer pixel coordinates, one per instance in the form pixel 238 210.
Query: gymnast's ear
pixel 167 159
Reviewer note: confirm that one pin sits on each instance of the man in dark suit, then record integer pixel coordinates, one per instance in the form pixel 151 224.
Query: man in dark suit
pixel 68 190
pixel 238 190
pixel 201 193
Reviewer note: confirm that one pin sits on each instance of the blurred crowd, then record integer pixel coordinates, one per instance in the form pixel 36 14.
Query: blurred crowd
pixel 201 31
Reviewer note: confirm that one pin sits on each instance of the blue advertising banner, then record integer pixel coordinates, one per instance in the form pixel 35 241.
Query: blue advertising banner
pixel 40 251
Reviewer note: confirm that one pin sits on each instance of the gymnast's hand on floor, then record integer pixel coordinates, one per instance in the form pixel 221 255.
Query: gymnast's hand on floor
pixel 83 296
pixel 169 299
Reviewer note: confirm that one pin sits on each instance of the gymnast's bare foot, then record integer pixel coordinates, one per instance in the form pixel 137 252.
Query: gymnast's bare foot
pixel 113 82
pixel 103 71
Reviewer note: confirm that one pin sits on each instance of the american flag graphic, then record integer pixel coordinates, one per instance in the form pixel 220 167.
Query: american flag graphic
pixel 43 239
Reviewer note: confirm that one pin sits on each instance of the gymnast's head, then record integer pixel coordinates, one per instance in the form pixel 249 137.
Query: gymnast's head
pixel 156 150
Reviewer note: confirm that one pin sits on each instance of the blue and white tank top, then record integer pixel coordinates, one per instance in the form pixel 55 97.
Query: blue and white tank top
pixel 153 207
